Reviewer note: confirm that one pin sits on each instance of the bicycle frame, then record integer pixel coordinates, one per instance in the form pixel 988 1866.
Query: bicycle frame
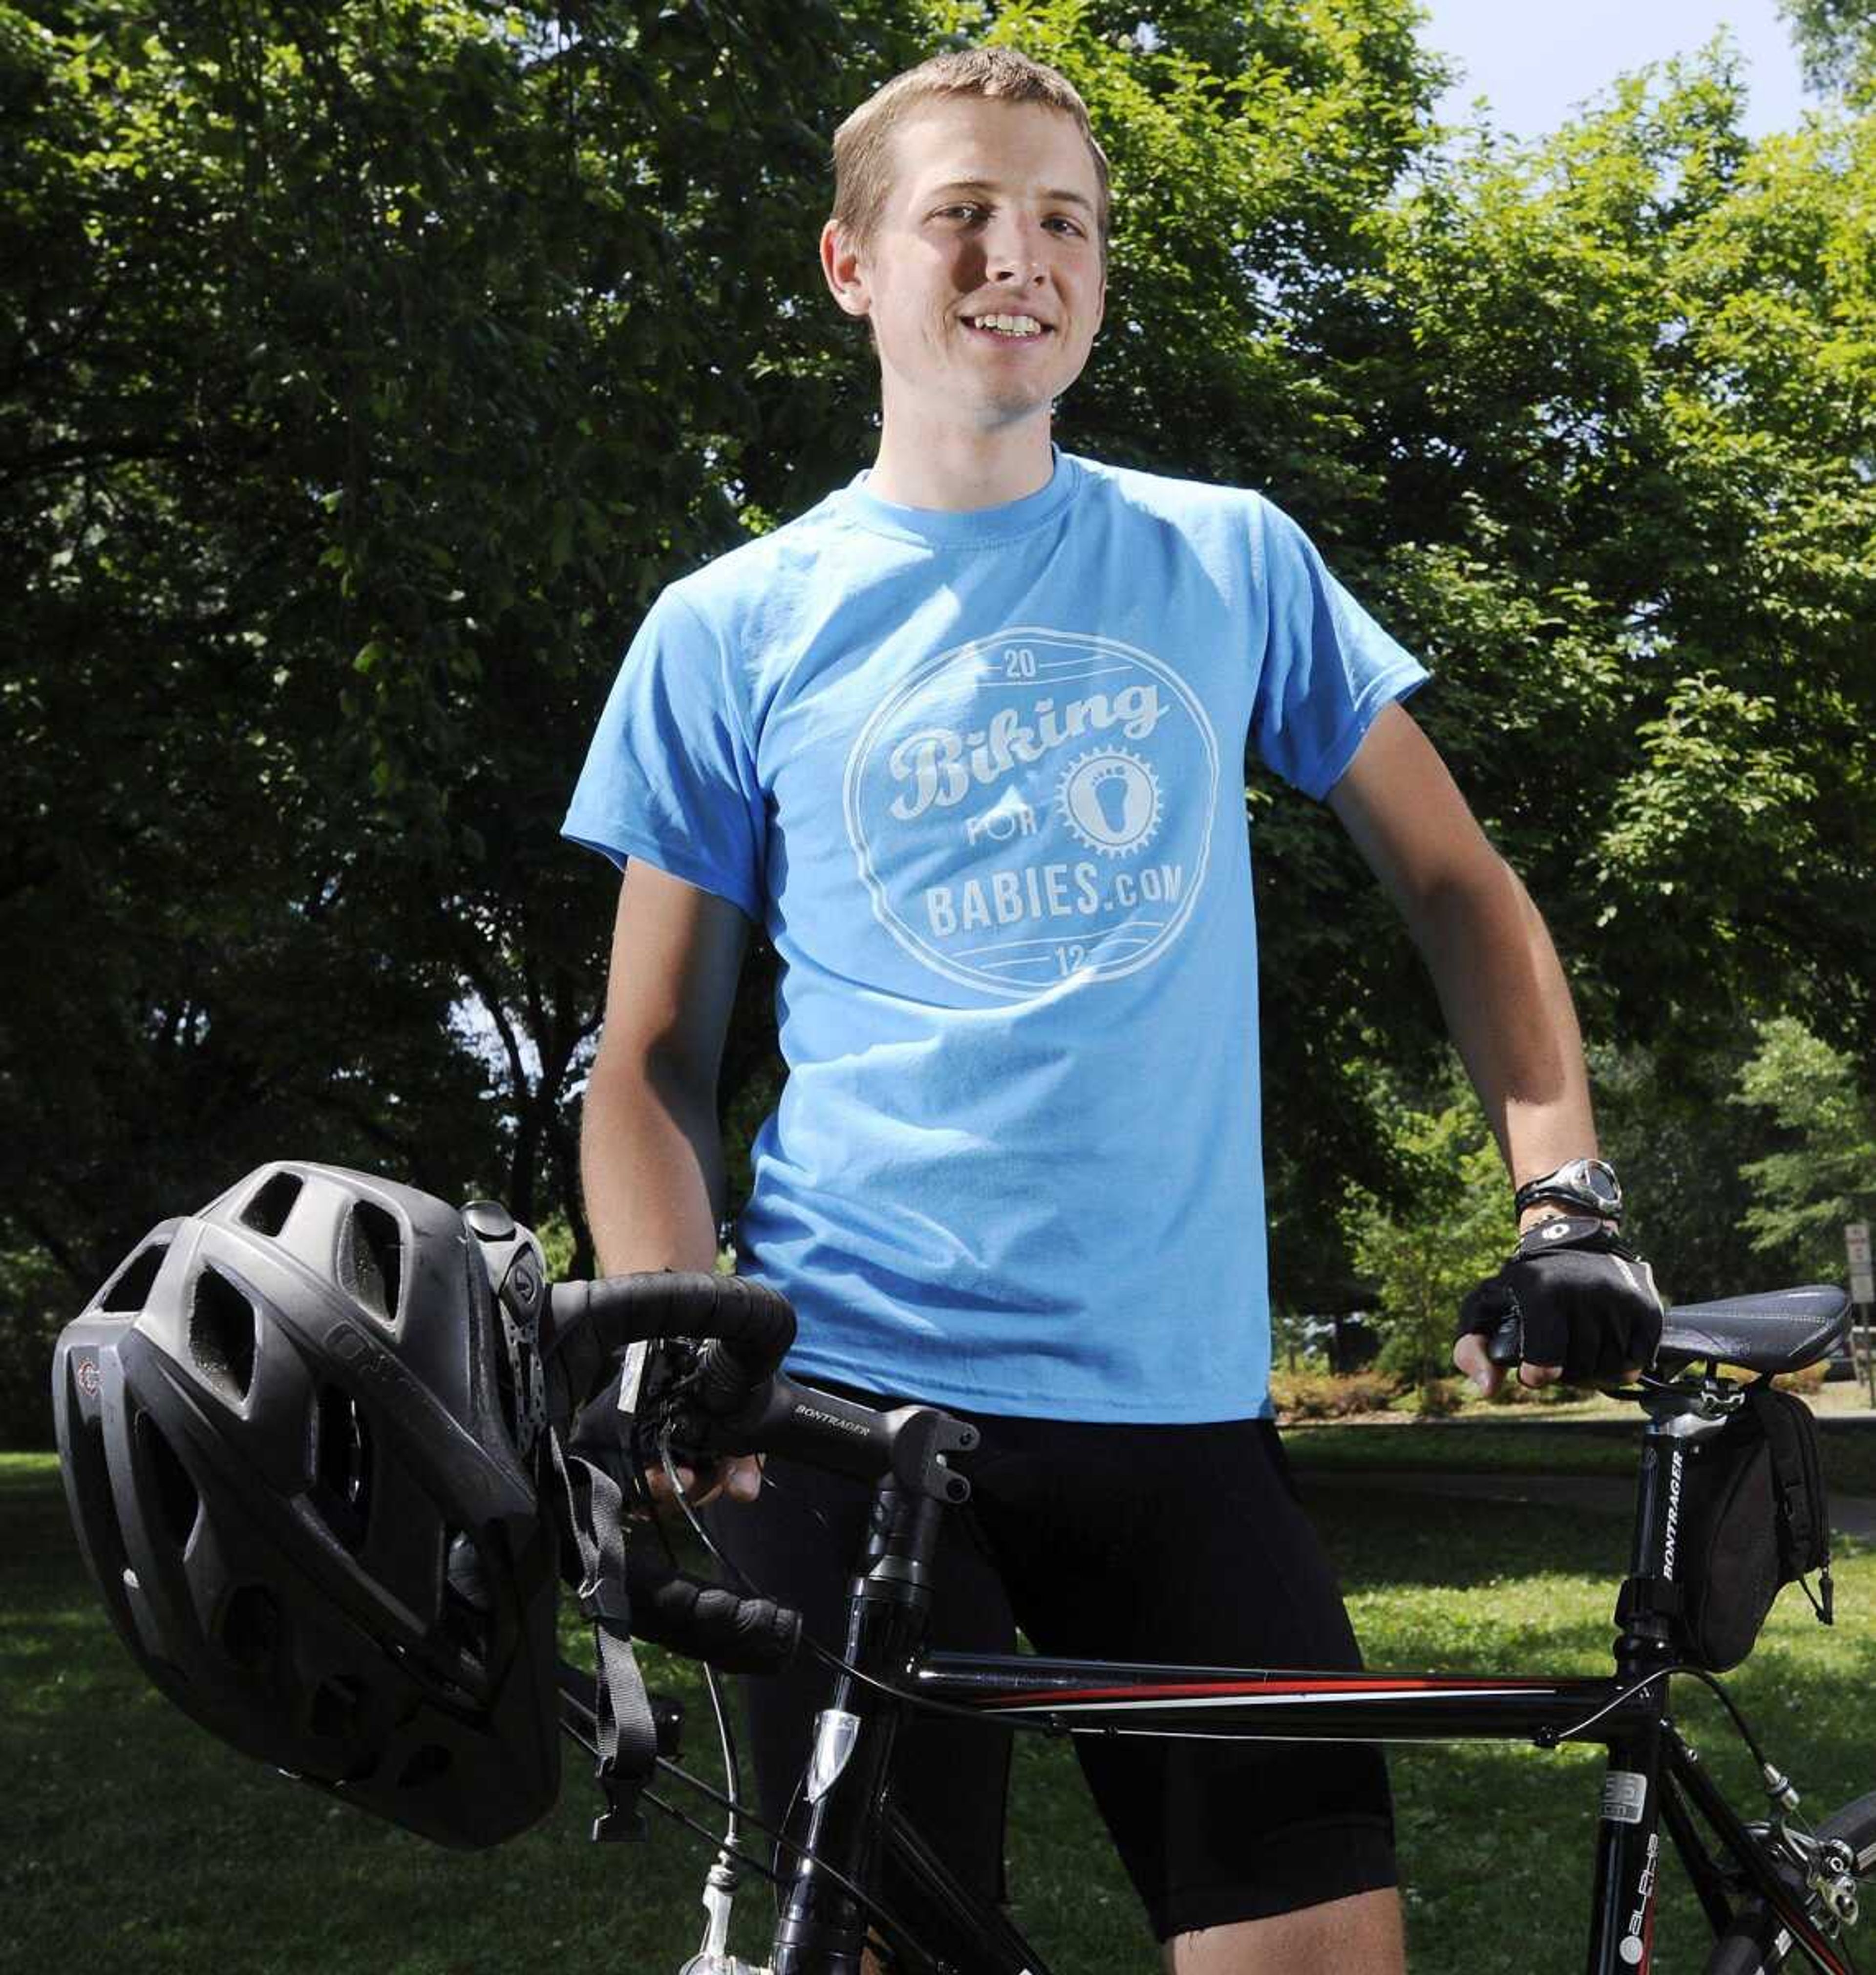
pixel 1652 1778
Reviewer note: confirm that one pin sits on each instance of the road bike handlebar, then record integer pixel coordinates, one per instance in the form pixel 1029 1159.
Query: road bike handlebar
pixel 733 1400
pixel 707 1622
pixel 749 1327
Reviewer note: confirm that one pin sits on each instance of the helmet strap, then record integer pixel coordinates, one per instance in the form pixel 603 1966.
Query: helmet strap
pixel 626 1737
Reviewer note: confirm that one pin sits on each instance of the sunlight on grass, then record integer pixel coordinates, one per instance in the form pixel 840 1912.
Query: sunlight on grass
pixel 251 1874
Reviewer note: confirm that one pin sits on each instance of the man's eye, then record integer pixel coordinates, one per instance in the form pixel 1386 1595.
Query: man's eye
pixel 1063 220
pixel 960 212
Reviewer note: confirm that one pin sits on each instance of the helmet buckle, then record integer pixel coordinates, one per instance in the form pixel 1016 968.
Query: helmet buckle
pixel 603 1600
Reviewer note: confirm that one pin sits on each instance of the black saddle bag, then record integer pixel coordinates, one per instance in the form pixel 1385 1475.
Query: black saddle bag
pixel 1753 1519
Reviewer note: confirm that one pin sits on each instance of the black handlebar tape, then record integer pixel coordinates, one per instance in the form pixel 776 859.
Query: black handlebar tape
pixel 754 1328
pixel 589 1323
pixel 705 1622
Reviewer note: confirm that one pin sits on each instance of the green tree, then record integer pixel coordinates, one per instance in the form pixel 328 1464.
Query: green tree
pixel 1664 1119
pixel 1424 1253
pixel 367 367
pixel 1824 1174
pixel 1836 41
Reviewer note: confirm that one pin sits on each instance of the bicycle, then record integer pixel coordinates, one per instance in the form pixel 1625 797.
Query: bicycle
pixel 1774 1891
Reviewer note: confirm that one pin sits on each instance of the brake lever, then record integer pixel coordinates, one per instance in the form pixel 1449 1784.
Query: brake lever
pixel 661 1427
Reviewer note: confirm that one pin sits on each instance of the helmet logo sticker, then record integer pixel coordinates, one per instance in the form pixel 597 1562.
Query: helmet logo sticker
pixel 84 1372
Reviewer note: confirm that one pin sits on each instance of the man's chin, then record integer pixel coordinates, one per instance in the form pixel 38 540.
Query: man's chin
pixel 1002 412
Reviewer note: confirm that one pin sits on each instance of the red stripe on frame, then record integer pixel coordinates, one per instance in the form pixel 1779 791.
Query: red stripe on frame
pixel 1353 1684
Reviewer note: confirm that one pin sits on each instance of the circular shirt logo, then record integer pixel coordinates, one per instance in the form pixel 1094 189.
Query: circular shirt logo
pixel 1110 800
pixel 1032 808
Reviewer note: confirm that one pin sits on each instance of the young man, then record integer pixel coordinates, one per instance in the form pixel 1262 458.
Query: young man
pixel 964 740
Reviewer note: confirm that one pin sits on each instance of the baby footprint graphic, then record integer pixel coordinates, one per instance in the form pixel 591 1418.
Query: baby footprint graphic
pixel 1113 786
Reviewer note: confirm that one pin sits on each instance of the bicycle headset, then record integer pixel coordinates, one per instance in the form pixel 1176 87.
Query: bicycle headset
pixel 300 1436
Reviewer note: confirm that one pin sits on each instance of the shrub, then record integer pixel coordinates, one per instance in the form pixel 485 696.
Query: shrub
pixel 1513 1392
pixel 1318 1395
pixel 1439 1399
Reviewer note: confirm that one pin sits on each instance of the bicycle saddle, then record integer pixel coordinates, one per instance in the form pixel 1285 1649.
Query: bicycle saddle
pixel 1779 1330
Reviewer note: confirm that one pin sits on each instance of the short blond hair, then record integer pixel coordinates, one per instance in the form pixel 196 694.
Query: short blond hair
pixel 863 143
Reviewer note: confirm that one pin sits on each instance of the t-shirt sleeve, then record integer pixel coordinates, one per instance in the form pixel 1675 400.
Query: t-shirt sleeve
pixel 1328 669
pixel 671 775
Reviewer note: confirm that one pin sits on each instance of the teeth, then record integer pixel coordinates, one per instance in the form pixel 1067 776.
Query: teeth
pixel 1009 325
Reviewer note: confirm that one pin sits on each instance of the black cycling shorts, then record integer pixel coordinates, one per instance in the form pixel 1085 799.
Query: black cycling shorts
pixel 1185 1545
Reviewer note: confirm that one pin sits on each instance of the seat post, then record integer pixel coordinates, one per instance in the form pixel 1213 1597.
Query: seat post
pixel 1681 1415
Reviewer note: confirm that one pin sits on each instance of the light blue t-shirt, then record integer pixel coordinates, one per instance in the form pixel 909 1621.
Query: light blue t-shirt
pixel 979 775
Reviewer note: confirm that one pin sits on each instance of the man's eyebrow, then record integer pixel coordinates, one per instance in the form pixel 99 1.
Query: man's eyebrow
pixel 1057 196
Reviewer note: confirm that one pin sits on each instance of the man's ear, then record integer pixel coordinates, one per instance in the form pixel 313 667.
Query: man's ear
pixel 841 265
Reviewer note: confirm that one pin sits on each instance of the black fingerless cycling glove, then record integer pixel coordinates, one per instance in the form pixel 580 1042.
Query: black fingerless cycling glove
pixel 1583 1298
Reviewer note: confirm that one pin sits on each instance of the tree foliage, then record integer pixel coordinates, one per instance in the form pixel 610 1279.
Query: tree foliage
pixel 1822 1173
pixel 368 368
pixel 1423 1252
pixel 1836 42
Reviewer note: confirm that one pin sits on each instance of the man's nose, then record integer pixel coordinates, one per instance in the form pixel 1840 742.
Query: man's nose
pixel 1014 249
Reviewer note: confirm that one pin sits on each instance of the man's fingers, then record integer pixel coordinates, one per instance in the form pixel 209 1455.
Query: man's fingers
pixel 658 1483
pixel 1469 1355
pixel 740 1479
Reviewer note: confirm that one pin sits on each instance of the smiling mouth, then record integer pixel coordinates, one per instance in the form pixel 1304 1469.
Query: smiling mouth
pixel 1012 328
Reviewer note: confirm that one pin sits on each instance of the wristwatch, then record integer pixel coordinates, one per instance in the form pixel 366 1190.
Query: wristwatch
pixel 1588 1184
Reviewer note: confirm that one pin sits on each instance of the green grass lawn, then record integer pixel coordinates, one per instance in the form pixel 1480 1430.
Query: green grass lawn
pixel 129 1840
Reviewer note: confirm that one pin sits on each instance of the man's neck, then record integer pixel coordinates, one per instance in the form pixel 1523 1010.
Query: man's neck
pixel 961 471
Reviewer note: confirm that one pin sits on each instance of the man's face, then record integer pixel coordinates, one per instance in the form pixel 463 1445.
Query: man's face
pixel 984 280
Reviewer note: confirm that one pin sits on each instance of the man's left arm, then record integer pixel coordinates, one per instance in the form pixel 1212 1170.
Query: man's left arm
pixel 1501 988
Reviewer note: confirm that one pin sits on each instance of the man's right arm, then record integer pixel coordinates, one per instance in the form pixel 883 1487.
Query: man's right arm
pixel 650 1154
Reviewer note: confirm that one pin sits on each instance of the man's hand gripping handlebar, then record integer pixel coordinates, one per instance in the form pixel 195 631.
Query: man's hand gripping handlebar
pixel 690 1362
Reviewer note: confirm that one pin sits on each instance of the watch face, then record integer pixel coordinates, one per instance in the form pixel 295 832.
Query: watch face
pixel 1590 1184
pixel 1596 1179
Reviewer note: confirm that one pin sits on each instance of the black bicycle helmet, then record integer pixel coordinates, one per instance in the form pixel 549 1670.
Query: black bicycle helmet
pixel 295 1430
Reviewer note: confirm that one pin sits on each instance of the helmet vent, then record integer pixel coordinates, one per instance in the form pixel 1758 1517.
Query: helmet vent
pixel 128 1290
pixel 250 1628
pixel 335 1715
pixel 266 1214
pixel 467 1602
pixel 222 1332
pixel 177 1502
pixel 371 1259
pixel 426 1766
pixel 341 1490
